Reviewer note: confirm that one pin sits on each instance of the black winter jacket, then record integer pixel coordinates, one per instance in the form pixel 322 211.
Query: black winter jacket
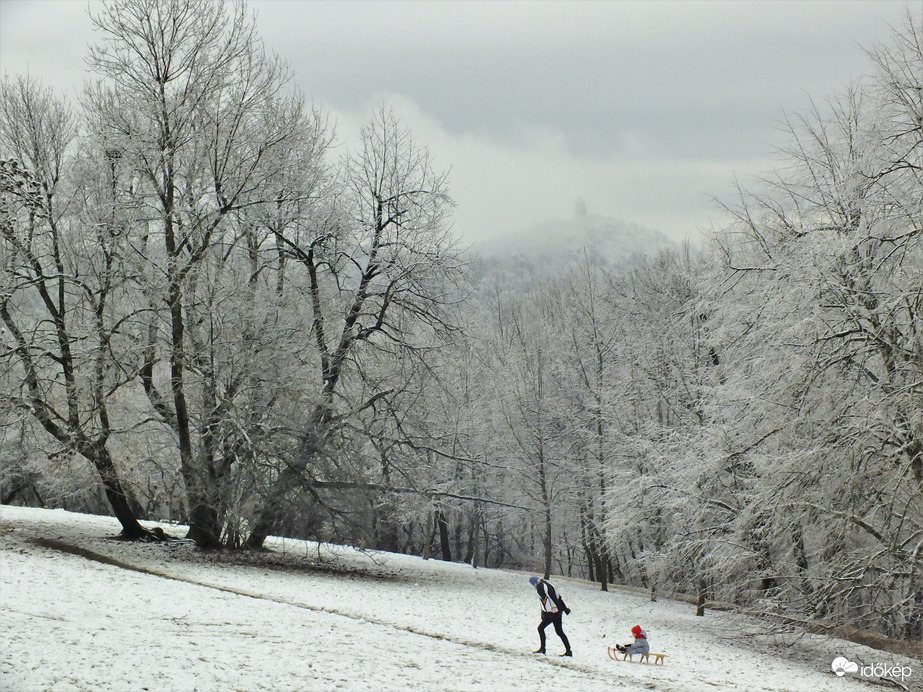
pixel 551 601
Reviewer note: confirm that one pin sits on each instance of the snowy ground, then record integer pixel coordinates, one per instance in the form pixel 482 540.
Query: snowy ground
pixel 309 617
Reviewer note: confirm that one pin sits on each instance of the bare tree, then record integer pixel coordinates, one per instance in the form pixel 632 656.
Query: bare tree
pixel 381 269
pixel 197 110
pixel 530 408
pixel 61 261
pixel 593 336
pixel 829 253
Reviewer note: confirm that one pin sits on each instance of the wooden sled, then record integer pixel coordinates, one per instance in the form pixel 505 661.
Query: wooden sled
pixel 617 655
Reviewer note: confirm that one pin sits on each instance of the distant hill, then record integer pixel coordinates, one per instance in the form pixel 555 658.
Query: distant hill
pixel 556 242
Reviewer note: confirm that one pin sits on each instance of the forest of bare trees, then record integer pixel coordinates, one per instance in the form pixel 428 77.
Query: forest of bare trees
pixel 212 316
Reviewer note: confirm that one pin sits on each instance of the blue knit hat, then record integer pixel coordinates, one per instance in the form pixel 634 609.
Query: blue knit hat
pixel 533 580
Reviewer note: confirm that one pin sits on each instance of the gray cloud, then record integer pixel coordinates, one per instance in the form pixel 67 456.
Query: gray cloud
pixel 643 109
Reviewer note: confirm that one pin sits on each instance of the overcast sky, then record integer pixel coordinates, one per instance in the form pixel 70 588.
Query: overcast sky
pixel 643 110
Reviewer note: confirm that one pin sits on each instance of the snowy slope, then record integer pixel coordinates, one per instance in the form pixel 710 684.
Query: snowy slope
pixel 310 617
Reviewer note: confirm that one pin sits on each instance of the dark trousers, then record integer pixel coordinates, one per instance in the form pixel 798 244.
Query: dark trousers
pixel 547 619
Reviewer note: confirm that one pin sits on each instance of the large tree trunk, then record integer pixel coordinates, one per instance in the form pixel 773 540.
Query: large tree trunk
pixel 476 536
pixel 268 517
pixel 546 506
pixel 600 556
pixel 289 478
pixel 444 536
pixel 115 493
pixel 700 600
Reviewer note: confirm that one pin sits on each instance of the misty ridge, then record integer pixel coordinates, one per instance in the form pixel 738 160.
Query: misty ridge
pixel 217 317
pixel 555 243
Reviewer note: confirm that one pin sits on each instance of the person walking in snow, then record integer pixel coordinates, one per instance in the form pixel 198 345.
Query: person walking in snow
pixel 639 646
pixel 552 607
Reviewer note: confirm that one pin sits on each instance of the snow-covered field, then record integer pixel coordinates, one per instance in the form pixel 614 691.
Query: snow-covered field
pixel 309 617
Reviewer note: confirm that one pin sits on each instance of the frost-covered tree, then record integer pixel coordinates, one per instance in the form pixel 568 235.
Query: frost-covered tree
pixel 529 410
pixel 662 385
pixel 380 271
pixel 827 264
pixel 195 111
pixel 62 255
pixel 591 337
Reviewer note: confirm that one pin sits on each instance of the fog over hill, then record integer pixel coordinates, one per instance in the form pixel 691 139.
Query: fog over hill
pixel 557 242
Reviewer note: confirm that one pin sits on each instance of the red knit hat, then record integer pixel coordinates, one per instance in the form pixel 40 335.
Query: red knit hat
pixel 636 630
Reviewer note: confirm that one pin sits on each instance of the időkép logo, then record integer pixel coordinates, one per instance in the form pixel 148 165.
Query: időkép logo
pixel 841 666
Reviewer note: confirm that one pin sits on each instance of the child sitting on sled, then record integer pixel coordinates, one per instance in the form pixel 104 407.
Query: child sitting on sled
pixel 640 645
